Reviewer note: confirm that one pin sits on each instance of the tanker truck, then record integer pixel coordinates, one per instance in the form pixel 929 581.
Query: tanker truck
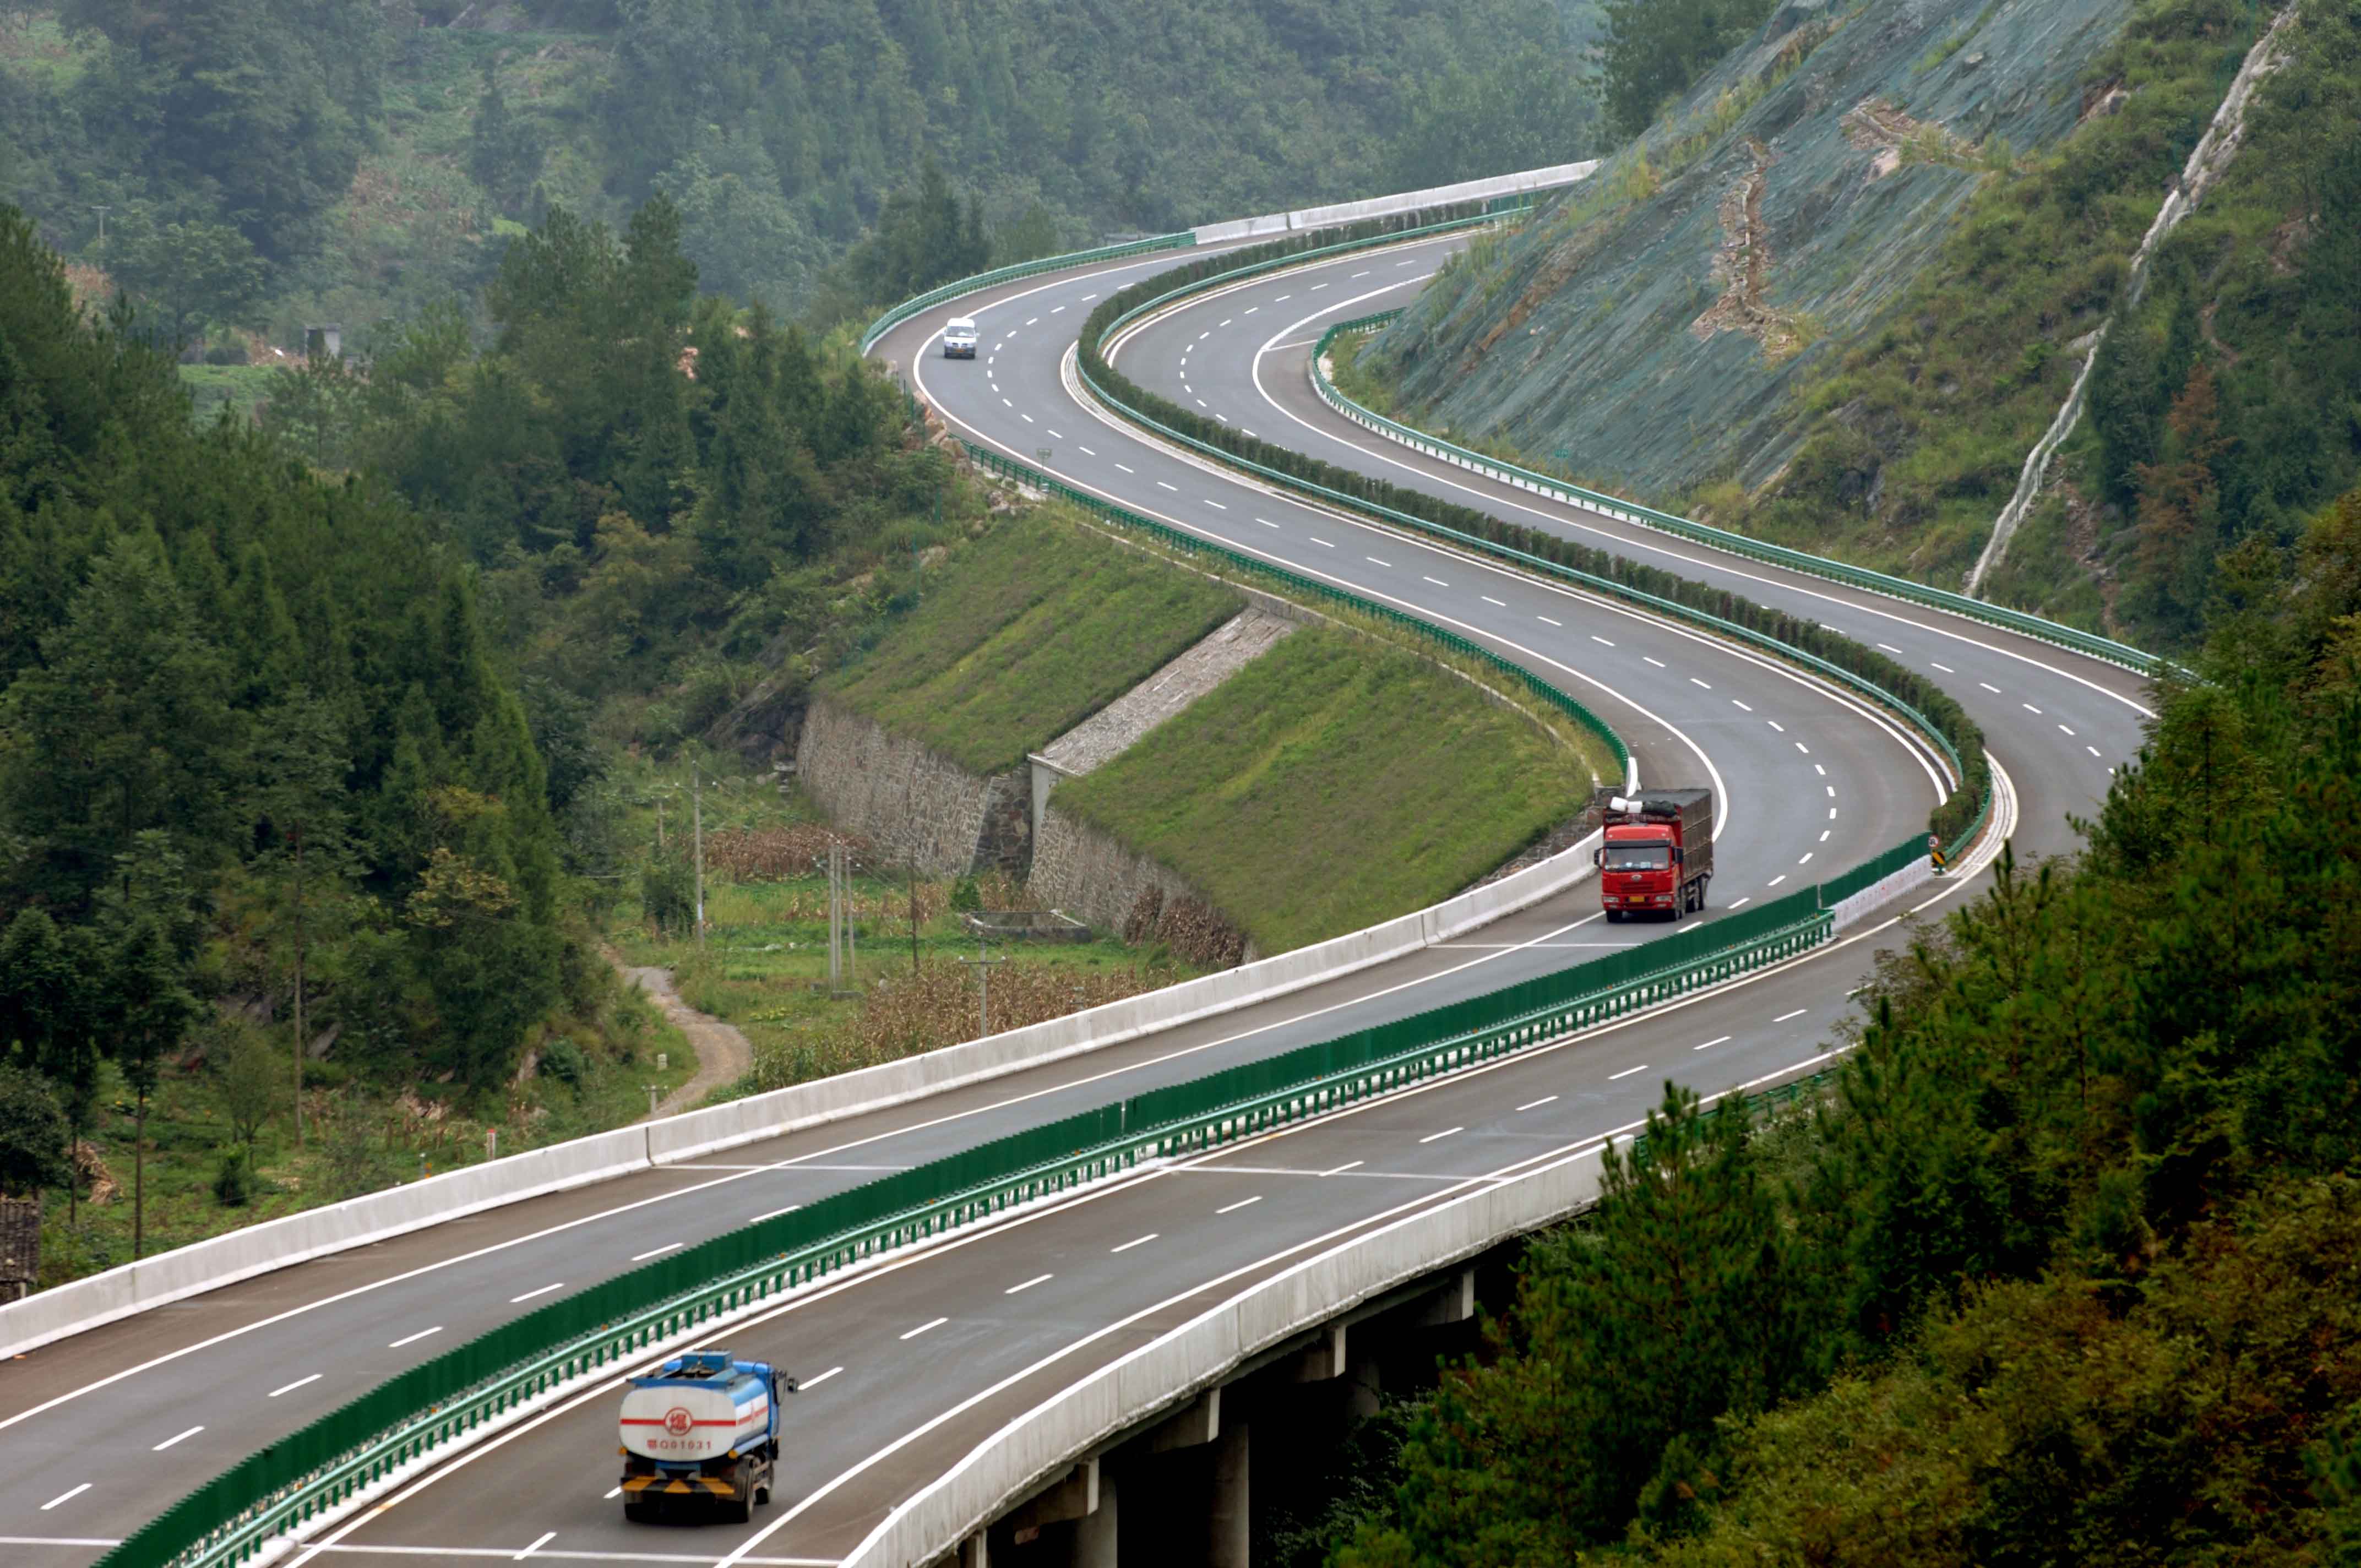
pixel 1656 853
pixel 701 1433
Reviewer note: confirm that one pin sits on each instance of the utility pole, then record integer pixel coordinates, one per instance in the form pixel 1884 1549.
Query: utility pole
pixel 101 212
pixel 299 985
pixel 914 917
pixel 843 935
pixel 696 816
pixel 984 967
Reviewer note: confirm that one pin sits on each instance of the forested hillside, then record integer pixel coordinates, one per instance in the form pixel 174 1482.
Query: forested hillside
pixel 312 723
pixel 246 718
pixel 2061 1268
pixel 268 163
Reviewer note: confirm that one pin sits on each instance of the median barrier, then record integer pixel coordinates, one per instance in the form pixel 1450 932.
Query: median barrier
pixel 2097 647
pixel 132 1288
pixel 357 1451
pixel 128 1289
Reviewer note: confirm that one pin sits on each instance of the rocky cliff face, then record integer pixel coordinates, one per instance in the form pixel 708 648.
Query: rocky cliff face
pixel 1650 326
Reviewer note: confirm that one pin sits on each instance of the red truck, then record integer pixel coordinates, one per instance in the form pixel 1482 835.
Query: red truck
pixel 1657 853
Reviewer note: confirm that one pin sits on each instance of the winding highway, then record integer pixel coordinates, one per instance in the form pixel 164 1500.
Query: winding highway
pixel 910 1362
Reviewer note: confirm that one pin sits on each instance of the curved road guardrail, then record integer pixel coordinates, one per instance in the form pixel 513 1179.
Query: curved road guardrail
pixel 356 1451
pixel 1966 772
pixel 1616 506
pixel 359 1449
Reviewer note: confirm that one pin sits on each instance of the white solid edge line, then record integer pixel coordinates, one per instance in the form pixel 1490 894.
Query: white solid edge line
pixel 2003 823
pixel 1574 516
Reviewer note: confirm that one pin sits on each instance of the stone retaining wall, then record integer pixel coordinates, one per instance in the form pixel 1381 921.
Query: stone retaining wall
pixel 907 800
pixel 1092 877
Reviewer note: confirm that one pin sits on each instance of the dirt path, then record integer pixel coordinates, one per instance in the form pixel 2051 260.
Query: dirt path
pixel 723 1054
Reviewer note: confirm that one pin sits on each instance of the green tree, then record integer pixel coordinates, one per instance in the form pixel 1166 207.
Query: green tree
pixel 248 1073
pixel 149 1012
pixel 1655 48
pixel 32 1135
pixel 191 274
pixel 311 408
pixel 50 982
pixel 1632 1336
pixel 125 726
pixel 260 109
pixel 503 153
pixel 300 754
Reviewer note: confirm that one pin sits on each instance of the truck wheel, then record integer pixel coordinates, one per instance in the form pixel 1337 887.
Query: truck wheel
pixel 1702 882
pixel 741 1508
pixel 638 1511
pixel 1615 918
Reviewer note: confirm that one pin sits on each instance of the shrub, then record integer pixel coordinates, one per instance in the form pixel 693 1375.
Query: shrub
pixel 562 1060
pixel 234 1181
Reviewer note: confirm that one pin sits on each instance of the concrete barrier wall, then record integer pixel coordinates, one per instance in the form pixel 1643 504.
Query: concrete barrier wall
pixel 205 1266
pixel 276 1244
pixel 1005 1466
pixel 1404 202
pixel 1891 886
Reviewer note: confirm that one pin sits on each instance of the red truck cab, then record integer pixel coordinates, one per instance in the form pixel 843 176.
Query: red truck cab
pixel 1656 853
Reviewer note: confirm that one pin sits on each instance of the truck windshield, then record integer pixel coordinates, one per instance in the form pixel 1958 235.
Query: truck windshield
pixel 1638 857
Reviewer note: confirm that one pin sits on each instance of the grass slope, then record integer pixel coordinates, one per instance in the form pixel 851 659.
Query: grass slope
pixel 1332 752
pixel 1024 634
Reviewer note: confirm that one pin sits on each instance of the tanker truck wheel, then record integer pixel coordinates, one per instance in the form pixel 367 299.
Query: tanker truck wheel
pixel 740 1509
pixel 638 1510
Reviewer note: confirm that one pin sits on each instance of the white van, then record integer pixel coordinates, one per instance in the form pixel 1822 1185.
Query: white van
pixel 958 338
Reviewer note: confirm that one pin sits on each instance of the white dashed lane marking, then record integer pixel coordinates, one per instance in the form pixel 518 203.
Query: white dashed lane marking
pixel 1233 1208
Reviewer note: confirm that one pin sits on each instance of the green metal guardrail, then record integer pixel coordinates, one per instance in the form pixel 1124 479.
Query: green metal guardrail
pixel 911 307
pixel 295 1481
pixel 1296 582
pixel 1717 625
pixel 2034 626
pixel 406 1418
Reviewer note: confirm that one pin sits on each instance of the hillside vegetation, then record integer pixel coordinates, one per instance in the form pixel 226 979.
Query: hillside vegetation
pixel 1031 631
pixel 271 163
pixel 1836 294
pixel 310 731
pixel 1267 793
pixel 2061 1267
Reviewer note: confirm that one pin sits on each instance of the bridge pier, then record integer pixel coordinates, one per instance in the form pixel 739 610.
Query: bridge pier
pixel 1187 1478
